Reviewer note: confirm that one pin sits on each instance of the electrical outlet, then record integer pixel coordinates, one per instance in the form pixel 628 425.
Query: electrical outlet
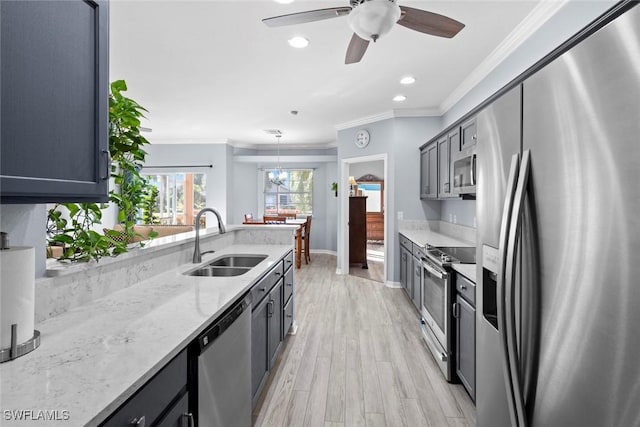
pixel 400 215
pixel 455 220
pixel 475 225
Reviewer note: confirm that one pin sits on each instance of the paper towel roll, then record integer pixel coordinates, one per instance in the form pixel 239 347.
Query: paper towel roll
pixel 17 294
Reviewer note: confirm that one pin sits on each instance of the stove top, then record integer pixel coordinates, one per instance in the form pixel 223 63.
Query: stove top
pixel 445 256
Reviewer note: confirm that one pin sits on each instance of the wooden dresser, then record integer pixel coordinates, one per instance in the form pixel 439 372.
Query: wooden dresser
pixel 358 231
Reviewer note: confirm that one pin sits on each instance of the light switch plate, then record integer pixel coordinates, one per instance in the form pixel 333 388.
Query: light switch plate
pixel 400 215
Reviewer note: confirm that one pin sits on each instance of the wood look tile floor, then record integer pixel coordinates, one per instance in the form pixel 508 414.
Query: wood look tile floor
pixel 357 359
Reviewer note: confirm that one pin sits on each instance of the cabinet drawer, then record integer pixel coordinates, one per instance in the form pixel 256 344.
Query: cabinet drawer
pixel 405 242
pixel 466 288
pixel 288 317
pixel 262 288
pixel 152 399
pixel 288 285
pixel 418 251
pixel 178 415
pixel 288 261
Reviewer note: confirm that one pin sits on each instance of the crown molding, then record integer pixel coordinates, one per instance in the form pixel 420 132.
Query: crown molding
pixel 365 120
pixel 183 141
pixel 523 31
pixel 391 114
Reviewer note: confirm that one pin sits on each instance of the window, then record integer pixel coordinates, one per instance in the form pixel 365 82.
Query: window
pixel 293 196
pixel 180 196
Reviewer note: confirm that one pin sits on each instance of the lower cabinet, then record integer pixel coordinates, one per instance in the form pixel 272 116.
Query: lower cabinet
pixel 417 282
pixel 465 314
pixel 272 317
pixel 163 401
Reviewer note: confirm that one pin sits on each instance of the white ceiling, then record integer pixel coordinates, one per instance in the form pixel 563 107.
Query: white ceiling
pixel 211 71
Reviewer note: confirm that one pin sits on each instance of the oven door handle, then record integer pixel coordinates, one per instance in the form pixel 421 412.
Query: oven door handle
pixel 432 270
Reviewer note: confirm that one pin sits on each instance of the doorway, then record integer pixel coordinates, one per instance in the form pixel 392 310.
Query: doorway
pixel 370 175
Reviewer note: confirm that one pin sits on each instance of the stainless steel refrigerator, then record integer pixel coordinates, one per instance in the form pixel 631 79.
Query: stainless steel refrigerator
pixel 558 201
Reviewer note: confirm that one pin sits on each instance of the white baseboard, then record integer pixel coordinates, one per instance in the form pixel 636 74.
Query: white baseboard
pixel 394 285
pixel 323 251
pixel 341 272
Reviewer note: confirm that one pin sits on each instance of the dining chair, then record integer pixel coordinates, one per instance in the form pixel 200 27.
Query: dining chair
pixel 306 237
pixel 248 218
pixel 275 219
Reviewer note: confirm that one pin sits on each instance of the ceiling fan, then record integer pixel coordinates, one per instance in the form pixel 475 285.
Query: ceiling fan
pixel 371 19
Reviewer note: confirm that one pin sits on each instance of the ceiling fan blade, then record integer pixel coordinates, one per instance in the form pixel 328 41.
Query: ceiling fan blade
pixel 429 22
pixel 357 48
pixel 308 16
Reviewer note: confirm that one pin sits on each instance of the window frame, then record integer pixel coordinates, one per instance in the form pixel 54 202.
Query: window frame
pixel 263 178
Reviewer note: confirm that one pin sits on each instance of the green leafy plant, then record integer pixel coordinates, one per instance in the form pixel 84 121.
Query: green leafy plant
pixel 334 188
pixel 149 202
pixel 78 240
pixel 127 155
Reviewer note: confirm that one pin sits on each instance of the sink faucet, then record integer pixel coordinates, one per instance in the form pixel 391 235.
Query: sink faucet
pixel 197 256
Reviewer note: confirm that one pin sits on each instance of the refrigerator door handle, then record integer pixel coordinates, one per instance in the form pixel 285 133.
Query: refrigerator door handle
pixel 473 170
pixel 510 276
pixel 500 282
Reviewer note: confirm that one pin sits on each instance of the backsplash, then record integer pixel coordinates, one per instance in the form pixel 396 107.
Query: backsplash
pixel 453 230
pixel 78 284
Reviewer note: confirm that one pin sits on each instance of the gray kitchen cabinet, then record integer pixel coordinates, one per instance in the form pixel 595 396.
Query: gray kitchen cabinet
pixel 445 147
pixel 259 348
pixel 429 172
pixel 405 264
pixel 465 314
pixel 468 134
pixel 178 415
pixel 274 318
pixel 54 115
pixel 417 281
pixel 155 398
pixel 271 318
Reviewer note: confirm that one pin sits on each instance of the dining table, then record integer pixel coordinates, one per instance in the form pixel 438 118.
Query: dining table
pixel 300 222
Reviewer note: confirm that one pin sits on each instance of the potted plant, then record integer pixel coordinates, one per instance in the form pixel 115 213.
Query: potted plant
pixel 334 188
pixel 75 235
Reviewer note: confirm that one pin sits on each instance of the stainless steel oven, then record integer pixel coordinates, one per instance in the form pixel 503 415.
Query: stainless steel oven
pixel 436 325
pixel 438 289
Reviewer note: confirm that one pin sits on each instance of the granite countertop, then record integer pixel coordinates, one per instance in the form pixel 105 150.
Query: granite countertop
pixel 433 238
pixel 94 357
pixel 467 270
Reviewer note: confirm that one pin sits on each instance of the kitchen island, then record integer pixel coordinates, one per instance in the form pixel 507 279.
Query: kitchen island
pixel 95 356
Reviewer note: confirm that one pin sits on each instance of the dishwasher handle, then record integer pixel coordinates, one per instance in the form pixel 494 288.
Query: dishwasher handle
pixel 223 323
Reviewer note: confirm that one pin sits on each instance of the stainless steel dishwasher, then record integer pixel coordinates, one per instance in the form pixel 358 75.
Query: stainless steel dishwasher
pixel 222 370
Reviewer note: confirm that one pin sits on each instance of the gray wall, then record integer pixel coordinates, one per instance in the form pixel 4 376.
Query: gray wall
pixel 196 154
pixel 461 212
pixel 375 168
pixel 399 138
pixel 27 225
pixel 247 185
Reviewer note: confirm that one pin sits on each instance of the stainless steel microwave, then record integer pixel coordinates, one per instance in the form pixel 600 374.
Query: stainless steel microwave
pixel 464 172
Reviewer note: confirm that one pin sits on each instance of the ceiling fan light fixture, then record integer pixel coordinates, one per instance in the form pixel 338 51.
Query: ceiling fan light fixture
pixel 298 42
pixel 374 18
pixel 408 80
pixel 399 98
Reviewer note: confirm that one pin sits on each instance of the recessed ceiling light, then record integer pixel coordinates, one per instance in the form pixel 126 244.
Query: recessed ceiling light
pixel 298 42
pixel 399 98
pixel 408 80
pixel 284 1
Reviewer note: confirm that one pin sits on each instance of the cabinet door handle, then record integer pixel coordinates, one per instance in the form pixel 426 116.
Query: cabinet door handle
pixel 289 284
pixel 270 308
pixel 187 420
pixel 456 313
pixel 289 315
pixel 446 187
pixel 138 422
pixel 105 154
pixel 463 287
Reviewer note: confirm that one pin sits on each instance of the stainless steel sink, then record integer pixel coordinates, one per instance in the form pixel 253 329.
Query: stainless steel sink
pixel 238 261
pixel 228 266
pixel 212 271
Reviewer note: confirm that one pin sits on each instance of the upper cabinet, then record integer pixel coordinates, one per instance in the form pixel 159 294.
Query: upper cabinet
pixel 429 172
pixel 55 106
pixel 446 146
pixel 468 135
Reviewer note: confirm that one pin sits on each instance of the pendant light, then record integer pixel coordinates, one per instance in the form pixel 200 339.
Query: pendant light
pixel 278 176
